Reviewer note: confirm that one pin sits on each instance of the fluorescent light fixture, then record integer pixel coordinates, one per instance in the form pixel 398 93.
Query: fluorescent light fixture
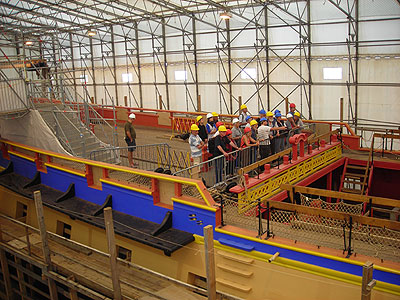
pixel 91 32
pixel 127 77
pixel 225 15
pixel 29 43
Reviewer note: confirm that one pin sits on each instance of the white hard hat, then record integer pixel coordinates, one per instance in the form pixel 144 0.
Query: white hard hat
pixel 132 116
pixel 235 120
pixel 289 116
pixel 209 115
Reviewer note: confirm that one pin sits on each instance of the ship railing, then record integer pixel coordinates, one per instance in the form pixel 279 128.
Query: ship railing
pixel 314 218
pixel 221 169
pixel 152 157
pixel 21 238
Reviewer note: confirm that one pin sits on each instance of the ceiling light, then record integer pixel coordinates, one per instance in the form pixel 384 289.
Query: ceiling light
pixel 225 15
pixel 29 43
pixel 91 32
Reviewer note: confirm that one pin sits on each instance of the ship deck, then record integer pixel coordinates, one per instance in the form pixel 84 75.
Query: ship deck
pixel 84 266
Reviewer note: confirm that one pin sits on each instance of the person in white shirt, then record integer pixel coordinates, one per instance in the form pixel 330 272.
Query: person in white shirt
pixel 196 144
pixel 264 136
pixel 243 115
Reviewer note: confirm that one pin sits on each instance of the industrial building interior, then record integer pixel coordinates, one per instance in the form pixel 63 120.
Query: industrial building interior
pixel 72 73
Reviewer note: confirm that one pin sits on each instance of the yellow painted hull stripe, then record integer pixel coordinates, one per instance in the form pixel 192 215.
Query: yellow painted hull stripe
pixel 126 186
pixel 314 253
pixel 193 204
pixel 304 267
pixel 22 155
pixel 81 174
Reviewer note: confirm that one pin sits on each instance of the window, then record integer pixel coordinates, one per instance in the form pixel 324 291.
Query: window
pixel 21 212
pixel 332 73
pixel 124 253
pixel 181 75
pixel 84 78
pixel 63 229
pixel 249 73
pixel 127 77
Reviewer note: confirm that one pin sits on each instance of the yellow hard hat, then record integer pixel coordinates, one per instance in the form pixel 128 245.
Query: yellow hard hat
pixel 243 106
pixel 199 118
pixel 194 127
pixel 270 114
pixel 297 114
pixel 214 114
pixel 253 122
pixel 222 128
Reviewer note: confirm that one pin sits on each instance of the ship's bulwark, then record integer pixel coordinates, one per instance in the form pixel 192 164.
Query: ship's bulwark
pixel 295 274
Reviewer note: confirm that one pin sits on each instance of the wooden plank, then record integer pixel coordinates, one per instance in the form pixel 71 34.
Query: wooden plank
pixel 210 262
pixel 67 243
pixel 368 269
pixel 341 195
pixel 6 274
pixel 335 215
pixel 45 246
pixel 21 281
pixel 108 220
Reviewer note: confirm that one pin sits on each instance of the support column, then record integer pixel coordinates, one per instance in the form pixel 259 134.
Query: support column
pixel 114 66
pixel 93 70
pixel 109 224
pixel 138 65
pixel 210 262
pixel 165 63
pixel 45 245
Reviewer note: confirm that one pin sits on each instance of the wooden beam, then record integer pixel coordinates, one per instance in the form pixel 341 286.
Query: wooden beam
pixel 108 220
pixel 210 262
pixel 21 281
pixel 45 246
pixel 6 274
pixel 367 281
pixel 341 195
pixel 335 215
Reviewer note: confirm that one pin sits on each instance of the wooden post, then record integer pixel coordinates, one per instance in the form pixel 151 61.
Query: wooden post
pixel 160 101
pixel 108 220
pixel 240 101
pixel 198 103
pixel 210 262
pixel 367 282
pixel 6 274
pixel 92 100
pixel 126 101
pixel 73 294
pixel 102 101
pixel 287 105
pixel 45 245
pixel 341 113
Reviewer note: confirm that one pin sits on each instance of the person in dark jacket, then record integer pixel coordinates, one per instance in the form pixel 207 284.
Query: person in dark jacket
pixel 202 129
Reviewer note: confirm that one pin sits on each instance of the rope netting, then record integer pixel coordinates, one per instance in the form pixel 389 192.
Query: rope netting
pixel 317 230
pixel 355 209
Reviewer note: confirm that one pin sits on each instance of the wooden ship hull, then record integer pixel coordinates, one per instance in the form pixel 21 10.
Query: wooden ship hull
pixel 159 221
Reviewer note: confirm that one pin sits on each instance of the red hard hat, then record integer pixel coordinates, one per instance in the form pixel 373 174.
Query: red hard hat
pixel 219 124
pixel 292 105
pixel 228 132
pixel 247 129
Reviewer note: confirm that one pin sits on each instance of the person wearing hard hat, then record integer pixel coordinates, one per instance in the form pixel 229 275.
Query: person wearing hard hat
pixel 271 122
pixel 290 127
pixel 243 114
pixel 262 114
pixel 221 148
pixel 264 137
pixel 248 120
pixel 215 117
pixel 281 134
pixel 130 138
pixel 298 123
pixel 292 109
pixel 196 144
pixel 236 132
pixel 202 129
pixel 210 126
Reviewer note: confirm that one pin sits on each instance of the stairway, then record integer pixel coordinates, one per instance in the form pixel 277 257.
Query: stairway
pixel 355 178
pixel 75 137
